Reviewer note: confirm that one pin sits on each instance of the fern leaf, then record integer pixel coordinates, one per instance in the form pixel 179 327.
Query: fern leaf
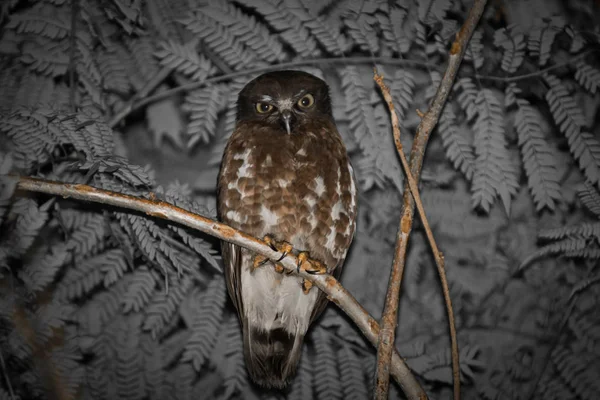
pixel 185 59
pixel 361 29
pixel 512 41
pixel 130 380
pixel 571 122
pixel 204 106
pixel 391 25
pixel 42 19
pixel 101 309
pixel 302 386
pixel 467 96
pixel 590 198
pixel 220 40
pixel 164 305
pixel 587 76
pixel 542 36
pixel 542 175
pixel 458 149
pixel 90 272
pixel 245 28
pixel 579 370
pixel 25 220
pixel 153 367
pixel 353 383
pixel 205 316
pixel 494 172
pixel 327 379
pixel 231 95
pixel 475 50
pixel 235 378
pixel 283 20
pixel 585 230
pixel 140 287
pixel 113 71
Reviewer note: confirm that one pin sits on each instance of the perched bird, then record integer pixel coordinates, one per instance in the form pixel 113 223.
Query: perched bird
pixel 285 176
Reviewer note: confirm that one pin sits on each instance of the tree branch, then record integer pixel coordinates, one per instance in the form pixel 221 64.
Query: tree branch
pixel 160 209
pixel 428 122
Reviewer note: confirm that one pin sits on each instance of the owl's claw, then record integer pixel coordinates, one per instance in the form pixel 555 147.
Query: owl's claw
pixel 284 247
pixel 306 286
pixel 312 267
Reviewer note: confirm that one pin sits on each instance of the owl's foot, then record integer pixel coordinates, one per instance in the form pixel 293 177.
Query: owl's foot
pixel 313 267
pixel 306 286
pixel 283 247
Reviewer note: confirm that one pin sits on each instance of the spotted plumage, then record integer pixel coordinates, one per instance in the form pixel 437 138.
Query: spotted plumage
pixel 285 173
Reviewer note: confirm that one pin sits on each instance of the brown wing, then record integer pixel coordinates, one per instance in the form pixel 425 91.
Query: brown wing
pixel 232 257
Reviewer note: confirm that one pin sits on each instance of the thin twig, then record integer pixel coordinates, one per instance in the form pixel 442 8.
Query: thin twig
pixel 143 100
pixel 144 92
pixel 428 122
pixel 72 52
pixel 160 209
pixel 384 352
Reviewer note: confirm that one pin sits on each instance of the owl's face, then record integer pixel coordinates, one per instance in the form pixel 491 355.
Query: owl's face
pixel 284 100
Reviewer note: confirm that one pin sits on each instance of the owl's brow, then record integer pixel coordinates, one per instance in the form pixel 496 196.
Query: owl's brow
pixel 265 98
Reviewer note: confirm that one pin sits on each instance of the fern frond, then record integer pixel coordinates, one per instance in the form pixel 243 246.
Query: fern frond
pixel 204 106
pixel 467 96
pixel 25 220
pixel 327 379
pixel 542 36
pixel 585 230
pixel 164 305
pixel 235 378
pixel 290 27
pixel 391 25
pixel 185 59
pixel 458 149
pixel 95 314
pixel 494 172
pixel 45 57
pixel 144 65
pixel 361 29
pixel 590 197
pixel 302 386
pixel 587 76
pixel 204 314
pixel 475 49
pixel 246 29
pixel 42 19
pixel 539 161
pixel 571 122
pixel 512 41
pixel 579 370
pixel 402 90
pixel 113 71
pixel 353 383
pixel 140 287
pixel 88 273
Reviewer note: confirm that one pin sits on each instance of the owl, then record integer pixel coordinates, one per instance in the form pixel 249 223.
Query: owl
pixel 285 176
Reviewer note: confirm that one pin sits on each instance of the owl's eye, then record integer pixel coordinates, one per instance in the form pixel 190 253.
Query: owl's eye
pixel 306 101
pixel 263 108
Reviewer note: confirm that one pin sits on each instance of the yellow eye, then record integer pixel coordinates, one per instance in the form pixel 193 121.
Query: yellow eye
pixel 263 108
pixel 306 101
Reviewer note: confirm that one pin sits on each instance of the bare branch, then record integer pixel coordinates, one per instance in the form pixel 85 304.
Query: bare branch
pixel 428 122
pixel 160 209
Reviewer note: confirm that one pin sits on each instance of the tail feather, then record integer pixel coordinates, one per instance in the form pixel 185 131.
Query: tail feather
pixel 271 356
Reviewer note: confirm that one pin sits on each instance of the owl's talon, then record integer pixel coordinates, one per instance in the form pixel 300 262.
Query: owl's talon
pixel 259 261
pixel 312 267
pixel 306 286
pixel 279 268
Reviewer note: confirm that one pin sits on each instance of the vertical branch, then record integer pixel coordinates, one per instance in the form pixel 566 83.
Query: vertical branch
pixel 428 122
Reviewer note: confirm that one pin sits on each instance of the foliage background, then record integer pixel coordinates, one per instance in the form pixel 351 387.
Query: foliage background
pixel 97 303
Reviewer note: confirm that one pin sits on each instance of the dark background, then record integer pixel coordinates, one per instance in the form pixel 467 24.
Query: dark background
pixel 99 303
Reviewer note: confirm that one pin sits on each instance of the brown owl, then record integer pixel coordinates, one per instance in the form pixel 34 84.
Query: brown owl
pixel 286 176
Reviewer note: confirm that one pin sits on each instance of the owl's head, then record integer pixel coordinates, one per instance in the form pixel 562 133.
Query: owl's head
pixel 285 100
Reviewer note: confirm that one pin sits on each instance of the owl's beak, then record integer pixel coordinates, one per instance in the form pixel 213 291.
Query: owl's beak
pixel 286 118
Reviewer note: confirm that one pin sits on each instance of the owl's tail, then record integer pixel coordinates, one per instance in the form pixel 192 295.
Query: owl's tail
pixel 271 356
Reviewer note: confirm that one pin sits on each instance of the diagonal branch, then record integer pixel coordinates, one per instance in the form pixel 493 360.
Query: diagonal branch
pixel 160 209
pixel 428 122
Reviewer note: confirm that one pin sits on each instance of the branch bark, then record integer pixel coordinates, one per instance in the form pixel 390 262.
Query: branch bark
pixel 160 209
pixel 428 122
